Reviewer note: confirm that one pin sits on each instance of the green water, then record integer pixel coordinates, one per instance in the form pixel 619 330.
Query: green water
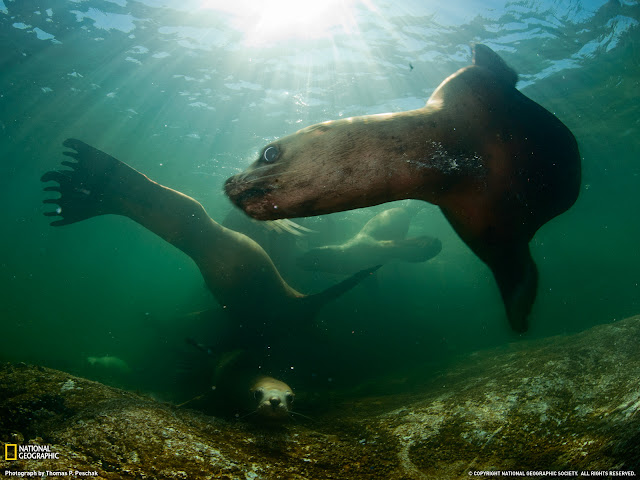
pixel 181 95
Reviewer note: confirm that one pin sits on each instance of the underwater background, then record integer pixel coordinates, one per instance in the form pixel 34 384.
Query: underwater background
pixel 188 92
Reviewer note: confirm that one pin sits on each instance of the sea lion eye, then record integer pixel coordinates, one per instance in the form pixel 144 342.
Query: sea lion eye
pixel 270 154
pixel 290 398
pixel 258 394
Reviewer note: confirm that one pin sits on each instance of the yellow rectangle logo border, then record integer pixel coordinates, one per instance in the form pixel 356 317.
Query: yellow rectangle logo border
pixel 15 451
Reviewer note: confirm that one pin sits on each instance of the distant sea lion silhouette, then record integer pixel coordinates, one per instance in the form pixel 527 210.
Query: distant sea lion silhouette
pixel 381 240
pixel 497 164
pixel 239 273
pixel 109 362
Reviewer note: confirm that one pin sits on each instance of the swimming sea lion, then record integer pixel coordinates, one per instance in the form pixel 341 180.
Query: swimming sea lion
pixel 109 362
pixel 381 240
pixel 236 269
pixel 274 398
pixel 497 164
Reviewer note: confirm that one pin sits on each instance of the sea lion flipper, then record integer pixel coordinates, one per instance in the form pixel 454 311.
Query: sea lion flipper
pixel 483 56
pixel 82 188
pixel 517 278
pixel 318 300
pixel 92 185
pixel 416 249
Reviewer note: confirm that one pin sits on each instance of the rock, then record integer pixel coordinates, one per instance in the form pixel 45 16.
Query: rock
pixel 567 403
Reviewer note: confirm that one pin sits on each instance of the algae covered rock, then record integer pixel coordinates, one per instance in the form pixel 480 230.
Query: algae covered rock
pixel 565 404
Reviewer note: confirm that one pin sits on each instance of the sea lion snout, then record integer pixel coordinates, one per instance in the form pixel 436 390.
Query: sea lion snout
pixel 241 191
pixel 250 195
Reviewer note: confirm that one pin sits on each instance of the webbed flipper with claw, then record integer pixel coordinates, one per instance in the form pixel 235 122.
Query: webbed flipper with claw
pixel 91 186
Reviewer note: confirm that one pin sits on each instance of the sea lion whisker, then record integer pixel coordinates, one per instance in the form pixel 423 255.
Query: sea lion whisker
pixel 247 415
pixel 191 400
pixel 292 413
pixel 285 225
pixel 261 167
pixel 248 181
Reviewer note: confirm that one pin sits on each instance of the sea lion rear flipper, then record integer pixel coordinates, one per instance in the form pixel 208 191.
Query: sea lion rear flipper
pixel 317 300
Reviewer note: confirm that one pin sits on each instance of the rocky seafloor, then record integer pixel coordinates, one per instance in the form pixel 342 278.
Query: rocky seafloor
pixel 563 404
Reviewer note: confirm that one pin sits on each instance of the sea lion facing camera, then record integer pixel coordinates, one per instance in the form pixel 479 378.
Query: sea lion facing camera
pixel 236 390
pixel 381 240
pixel 273 398
pixel 497 164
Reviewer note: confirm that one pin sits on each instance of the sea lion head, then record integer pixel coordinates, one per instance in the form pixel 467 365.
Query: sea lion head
pixel 309 172
pixel 274 398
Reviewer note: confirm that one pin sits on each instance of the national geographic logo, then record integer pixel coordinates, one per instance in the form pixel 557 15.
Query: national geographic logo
pixel 13 451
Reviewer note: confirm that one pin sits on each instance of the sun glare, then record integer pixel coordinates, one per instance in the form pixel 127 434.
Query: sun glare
pixel 269 22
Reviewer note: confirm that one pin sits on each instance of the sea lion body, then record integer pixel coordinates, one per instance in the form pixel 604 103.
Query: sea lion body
pixel 260 315
pixel 237 270
pixel 381 240
pixel 109 362
pixel 497 164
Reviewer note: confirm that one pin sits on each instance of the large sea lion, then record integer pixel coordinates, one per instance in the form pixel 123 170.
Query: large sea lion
pixel 263 307
pixel 497 164
pixel 381 240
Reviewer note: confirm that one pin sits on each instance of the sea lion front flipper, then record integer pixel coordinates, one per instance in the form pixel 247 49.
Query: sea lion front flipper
pixel 517 278
pixel 505 250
